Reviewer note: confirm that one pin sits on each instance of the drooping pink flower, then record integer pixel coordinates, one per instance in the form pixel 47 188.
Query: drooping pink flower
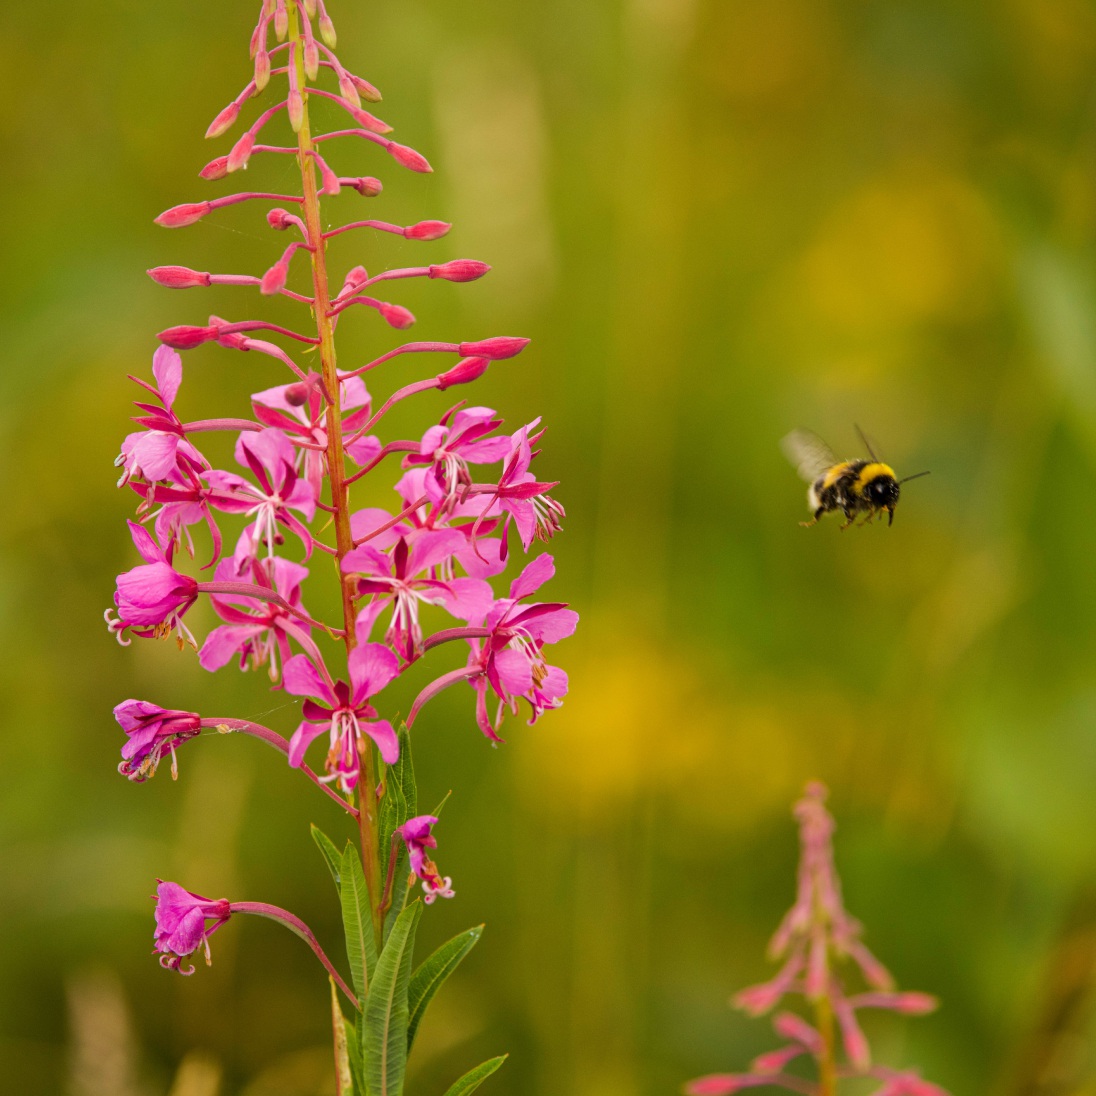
pixel 256 631
pixel 418 838
pixel 536 514
pixel 153 731
pixel 511 658
pixel 153 597
pixel 181 918
pixel 343 710
pixel 270 456
pixel 402 578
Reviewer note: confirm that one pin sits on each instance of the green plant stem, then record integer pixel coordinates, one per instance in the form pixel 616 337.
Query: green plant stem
pixel 827 1064
pixel 336 464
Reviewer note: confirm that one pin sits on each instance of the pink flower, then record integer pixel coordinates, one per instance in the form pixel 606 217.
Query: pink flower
pixel 273 461
pixel 153 731
pixel 152 598
pixel 342 710
pixel 535 513
pixel 400 578
pixel 298 410
pixel 459 440
pixel 160 451
pixel 257 631
pixel 181 924
pixel 907 1084
pixel 511 659
pixel 418 838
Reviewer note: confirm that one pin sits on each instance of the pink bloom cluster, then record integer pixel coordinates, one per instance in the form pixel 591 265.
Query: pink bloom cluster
pixel 815 937
pixel 412 576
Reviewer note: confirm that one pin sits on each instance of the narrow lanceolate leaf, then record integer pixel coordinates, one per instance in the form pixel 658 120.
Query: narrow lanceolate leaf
pixel 330 853
pixel 428 979
pixel 400 797
pixel 344 1084
pixel 475 1077
pixel 386 1011
pixel 361 947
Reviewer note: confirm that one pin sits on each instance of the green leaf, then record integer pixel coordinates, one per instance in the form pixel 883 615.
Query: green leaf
pixel 400 796
pixel 330 854
pixel 361 946
pixel 386 1010
pixel 475 1077
pixel 344 1083
pixel 428 979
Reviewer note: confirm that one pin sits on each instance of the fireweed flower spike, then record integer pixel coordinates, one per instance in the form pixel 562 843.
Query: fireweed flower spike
pixel 423 562
pixel 815 939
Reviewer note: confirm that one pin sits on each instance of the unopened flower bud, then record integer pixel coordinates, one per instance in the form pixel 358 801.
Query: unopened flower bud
pixel 502 346
pixel 186 336
pixel 311 59
pixel 372 123
pixel 241 152
pixel 281 21
pixel 262 69
pixel 327 31
pixel 366 185
pixel 296 394
pixel 355 277
pixel 459 270
pixel 348 91
pixel 295 106
pixel 365 89
pixel 273 281
pixel 426 230
pixel 181 215
pixel 466 370
pixel 279 219
pixel 310 8
pixel 177 277
pixel 409 158
pixel 396 315
pixel 224 121
pixel 215 169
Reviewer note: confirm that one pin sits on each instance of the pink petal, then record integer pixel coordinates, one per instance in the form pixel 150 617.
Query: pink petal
pixel 223 643
pixel 514 672
pixel 387 741
pixel 431 548
pixel 469 599
pixel 303 737
pixel 147 548
pixel 167 368
pixel 301 678
pixel 535 574
pixel 371 666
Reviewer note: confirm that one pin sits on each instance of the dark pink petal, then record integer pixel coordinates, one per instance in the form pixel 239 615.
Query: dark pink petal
pixel 146 547
pixel 535 574
pixel 385 737
pixel 301 678
pixel 224 642
pixel 302 738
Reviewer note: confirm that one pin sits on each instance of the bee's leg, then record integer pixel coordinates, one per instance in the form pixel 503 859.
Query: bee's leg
pixel 814 521
pixel 869 519
pixel 850 516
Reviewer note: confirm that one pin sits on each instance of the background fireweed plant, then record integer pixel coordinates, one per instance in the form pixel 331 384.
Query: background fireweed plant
pixel 815 939
pixel 448 534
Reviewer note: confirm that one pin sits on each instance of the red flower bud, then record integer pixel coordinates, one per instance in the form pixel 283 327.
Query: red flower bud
pixel 408 157
pixel 459 270
pixel 177 277
pixel 279 219
pixel 467 369
pixel 273 281
pixel 427 230
pixel 186 336
pixel 348 91
pixel 327 31
pixel 311 59
pixel 366 186
pixel 396 315
pixel 262 69
pixel 224 121
pixel 180 215
pixel 241 152
pixel 502 346
pixel 296 394
pixel 374 124
pixel 367 91
pixel 215 169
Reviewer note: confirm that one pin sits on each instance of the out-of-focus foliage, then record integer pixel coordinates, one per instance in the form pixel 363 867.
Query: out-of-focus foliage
pixel 718 220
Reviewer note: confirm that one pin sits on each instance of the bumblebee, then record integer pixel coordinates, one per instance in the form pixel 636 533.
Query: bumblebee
pixel 865 486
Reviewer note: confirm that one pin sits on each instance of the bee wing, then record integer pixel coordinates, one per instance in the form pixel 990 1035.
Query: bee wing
pixel 809 453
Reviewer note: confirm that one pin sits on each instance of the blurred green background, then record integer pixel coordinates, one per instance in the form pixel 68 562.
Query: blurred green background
pixel 717 220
